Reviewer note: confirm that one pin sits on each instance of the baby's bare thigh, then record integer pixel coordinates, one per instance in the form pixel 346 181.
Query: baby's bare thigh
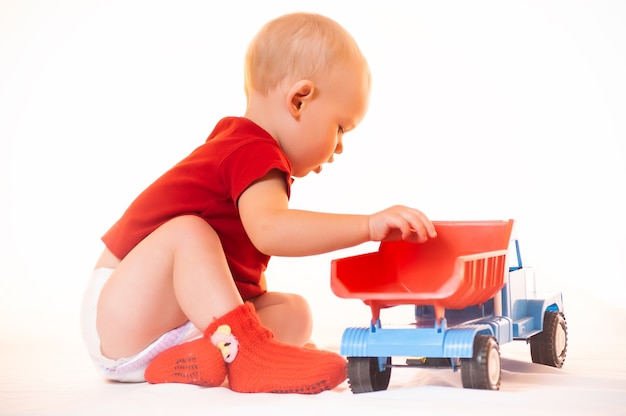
pixel 138 304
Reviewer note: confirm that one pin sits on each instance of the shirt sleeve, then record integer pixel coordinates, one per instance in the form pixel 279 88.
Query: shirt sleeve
pixel 251 162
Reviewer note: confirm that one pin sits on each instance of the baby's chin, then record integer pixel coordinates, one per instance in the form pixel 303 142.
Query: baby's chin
pixel 302 175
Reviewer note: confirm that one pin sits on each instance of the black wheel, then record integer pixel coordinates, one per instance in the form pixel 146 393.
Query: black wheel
pixel 364 374
pixel 482 371
pixel 549 347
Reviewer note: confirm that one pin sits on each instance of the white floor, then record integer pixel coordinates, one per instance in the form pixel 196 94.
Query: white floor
pixel 46 372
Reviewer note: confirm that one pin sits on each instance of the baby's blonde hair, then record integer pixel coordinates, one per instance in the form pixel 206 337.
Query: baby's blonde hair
pixel 299 46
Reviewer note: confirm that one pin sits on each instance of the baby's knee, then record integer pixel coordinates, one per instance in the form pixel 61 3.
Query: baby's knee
pixel 189 229
pixel 300 307
pixel 288 315
pixel 300 327
pixel 188 224
pixel 293 306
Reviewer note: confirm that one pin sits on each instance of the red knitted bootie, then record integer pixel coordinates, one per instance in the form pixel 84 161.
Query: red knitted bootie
pixel 196 362
pixel 257 363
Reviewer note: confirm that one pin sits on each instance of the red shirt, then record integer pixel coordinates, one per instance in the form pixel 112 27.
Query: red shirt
pixel 208 183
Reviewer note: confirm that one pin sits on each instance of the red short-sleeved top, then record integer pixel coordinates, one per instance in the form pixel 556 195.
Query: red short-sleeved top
pixel 208 183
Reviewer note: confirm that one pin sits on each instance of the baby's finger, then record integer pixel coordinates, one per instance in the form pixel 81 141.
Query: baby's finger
pixel 426 226
pixel 422 227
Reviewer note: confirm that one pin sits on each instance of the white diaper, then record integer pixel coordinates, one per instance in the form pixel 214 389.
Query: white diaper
pixel 129 369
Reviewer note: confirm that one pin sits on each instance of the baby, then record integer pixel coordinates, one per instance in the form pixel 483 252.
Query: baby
pixel 178 294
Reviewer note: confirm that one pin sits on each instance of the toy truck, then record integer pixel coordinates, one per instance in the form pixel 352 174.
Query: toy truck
pixel 471 295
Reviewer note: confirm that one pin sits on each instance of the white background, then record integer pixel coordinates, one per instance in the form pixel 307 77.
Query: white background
pixel 480 110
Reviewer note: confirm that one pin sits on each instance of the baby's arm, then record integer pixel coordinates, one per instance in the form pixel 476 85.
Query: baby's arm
pixel 277 230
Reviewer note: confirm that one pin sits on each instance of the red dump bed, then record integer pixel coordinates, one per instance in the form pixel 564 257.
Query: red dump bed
pixel 464 265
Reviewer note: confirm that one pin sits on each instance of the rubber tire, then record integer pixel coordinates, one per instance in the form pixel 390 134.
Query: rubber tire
pixel 364 375
pixel 483 370
pixel 549 347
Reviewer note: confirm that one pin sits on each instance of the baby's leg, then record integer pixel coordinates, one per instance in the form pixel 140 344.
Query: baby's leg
pixel 288 316
pixel 177 273
pixel 180 273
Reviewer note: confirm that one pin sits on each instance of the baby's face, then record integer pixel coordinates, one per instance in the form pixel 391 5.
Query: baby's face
pixel 339 104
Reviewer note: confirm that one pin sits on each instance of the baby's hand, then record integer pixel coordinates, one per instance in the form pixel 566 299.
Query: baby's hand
pixel 400 223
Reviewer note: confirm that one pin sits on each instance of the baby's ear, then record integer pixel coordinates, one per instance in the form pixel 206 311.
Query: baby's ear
pixel 299 94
